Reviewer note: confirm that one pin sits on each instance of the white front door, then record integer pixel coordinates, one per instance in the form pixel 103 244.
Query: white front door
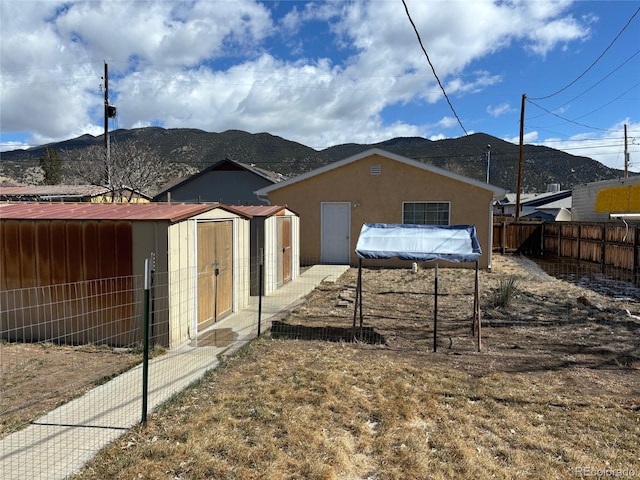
pixel 336 232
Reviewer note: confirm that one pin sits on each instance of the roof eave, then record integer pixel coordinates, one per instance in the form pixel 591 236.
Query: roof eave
pixel 377 151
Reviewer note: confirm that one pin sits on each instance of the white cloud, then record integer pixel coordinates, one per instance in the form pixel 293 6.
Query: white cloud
pixel 605 147
pixel 8 146
pixel 547 36
pixel 528 137
pixel 220 65
pixel 499 110
pixel 447 122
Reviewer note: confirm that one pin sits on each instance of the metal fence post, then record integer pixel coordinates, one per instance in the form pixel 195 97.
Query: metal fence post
pixel 148 267
pixel 260 285
pixel 435 311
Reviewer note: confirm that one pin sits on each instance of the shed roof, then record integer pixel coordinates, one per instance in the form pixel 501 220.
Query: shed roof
pixel 52 190
pixel 260 210
pixel 377 151
pixel 173 212
pixel 61 191
pixel 453 243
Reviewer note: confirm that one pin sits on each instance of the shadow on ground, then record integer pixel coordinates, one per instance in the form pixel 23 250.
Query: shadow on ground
pixel 282 330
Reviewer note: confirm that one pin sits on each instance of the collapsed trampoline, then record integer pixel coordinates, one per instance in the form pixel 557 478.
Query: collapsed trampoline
pixel 420 243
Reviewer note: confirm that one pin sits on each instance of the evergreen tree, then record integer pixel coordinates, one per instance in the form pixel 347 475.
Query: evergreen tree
pixel 51 165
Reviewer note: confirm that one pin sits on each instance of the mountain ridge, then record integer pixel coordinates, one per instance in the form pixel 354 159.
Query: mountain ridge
pixel 465 155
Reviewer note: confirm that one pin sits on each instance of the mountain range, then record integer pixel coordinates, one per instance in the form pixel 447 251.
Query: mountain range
pixel 467 156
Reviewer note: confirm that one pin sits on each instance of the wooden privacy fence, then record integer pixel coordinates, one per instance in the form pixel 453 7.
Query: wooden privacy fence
pixel 517 236
pixel 608 245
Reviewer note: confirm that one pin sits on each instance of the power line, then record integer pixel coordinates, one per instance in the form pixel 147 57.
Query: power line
pixel 594 62
pixel 565 119
pixel 586 114
pixel 415 29
pixel 610 102
pixel 595 84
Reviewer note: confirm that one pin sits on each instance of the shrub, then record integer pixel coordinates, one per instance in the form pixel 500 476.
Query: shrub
pixel 505 292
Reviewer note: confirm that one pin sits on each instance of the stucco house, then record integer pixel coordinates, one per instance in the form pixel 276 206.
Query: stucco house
pixel 377 186
pixel 227 181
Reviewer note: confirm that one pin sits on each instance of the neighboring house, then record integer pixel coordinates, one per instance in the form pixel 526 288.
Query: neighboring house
pixel 552 206
pixel 607 200
pixel 71 193
pixel 228 182
pixel 553 212
pixel 536 205
pixel 94 256
pixel 275 245
pixel 506 206
pixel 376 186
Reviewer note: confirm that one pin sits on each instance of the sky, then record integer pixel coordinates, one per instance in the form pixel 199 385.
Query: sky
pixel 328 72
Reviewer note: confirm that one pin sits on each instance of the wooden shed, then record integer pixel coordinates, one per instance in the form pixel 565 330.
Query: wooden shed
pixel 72 273
pixel 275 232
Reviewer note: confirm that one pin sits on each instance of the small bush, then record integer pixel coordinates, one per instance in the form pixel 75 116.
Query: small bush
pixel 505 293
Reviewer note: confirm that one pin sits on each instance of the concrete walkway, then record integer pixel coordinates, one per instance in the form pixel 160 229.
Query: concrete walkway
pixel 59 443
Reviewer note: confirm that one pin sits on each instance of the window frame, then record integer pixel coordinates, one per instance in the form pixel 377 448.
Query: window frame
pixel 427 202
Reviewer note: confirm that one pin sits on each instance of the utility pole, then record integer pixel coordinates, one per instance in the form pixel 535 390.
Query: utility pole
pixel 107 153
pixel 626 153
pixel 520 156
pixel 109 112
pixel 488 161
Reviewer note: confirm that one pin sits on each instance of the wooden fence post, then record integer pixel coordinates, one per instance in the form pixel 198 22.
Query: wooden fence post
pixel 603 243
pixel 503 240
pixel 636 243
pixel 579 242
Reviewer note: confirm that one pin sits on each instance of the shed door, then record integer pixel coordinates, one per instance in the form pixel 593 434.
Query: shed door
pixel 335 232
pixel 284 250
pixel 215 271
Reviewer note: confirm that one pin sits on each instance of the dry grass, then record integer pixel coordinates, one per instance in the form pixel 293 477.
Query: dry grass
pixel 35 378
pixel 554 393
pixel 320 410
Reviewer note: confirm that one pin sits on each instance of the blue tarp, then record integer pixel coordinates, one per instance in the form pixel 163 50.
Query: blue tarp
pixel 453 243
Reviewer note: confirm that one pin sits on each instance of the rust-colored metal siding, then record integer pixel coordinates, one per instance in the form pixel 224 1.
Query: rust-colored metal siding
pixel 46 252
pixel 56 277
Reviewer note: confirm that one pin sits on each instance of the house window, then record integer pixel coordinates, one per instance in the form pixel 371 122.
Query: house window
pixel 375 169
pixel 425 213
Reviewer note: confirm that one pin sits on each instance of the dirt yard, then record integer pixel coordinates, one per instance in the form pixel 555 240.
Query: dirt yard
pixel 589 341
pixel 548 324
pixel 552 394
pixel 36 378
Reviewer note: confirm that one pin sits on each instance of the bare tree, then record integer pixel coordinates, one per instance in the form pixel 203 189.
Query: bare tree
pixel 128 168
pixel 85 166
